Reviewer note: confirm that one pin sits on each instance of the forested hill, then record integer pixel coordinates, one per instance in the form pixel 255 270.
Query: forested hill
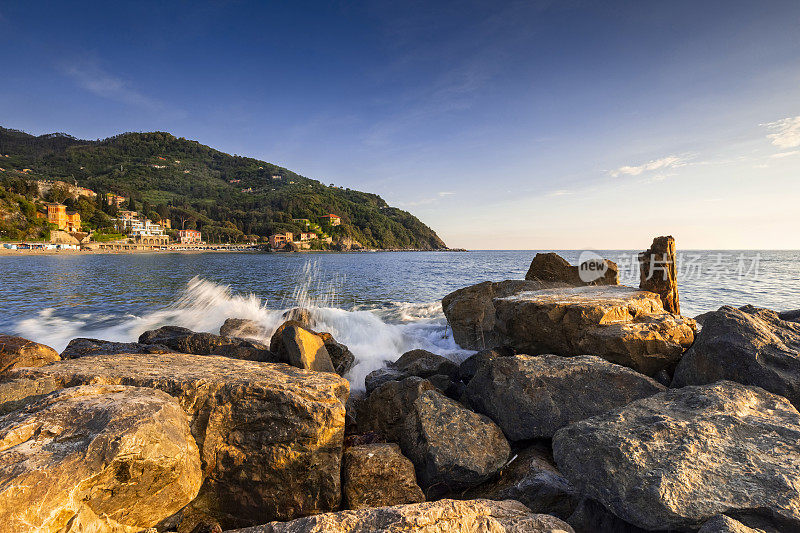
pixel 197 186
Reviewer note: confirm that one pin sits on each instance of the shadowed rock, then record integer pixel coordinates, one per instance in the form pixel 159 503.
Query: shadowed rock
pixel 443 516
pixel 551 267
pixel 258 426
pixel 420 363
pixel 96 458
pixel 658 274
pixel 377 475
pixel 451 447
pixel 242 327
pixel 16 352
pixel 534 396
pixel 187 341
pixel 749 345
pixel 82 347
pixel 680 457
pixel 386 408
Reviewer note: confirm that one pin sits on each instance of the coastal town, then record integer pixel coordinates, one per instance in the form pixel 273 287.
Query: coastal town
pixel 136 232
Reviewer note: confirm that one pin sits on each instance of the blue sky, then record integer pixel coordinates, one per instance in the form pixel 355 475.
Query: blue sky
pixel 524 125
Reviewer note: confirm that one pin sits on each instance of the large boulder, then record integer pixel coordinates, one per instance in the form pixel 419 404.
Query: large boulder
pixel 469 366
pixel 270 435
pixel 243 328
pixel 531 477
pixel 378 475
pixel 302 348
pixel 554 268
pixel 443 516
pixel 81 347
pixel 658 273
pixel 342 358
pixel 471 314
pixel 17 393
pixel 726 524
pixel 549 392
pixel 187 341
pixel 386 408
pixel 749 345
pixel 96 458
pixel 16 352
pixel 452 448
pixel 420 363
pixel 619 324
pixel 676 459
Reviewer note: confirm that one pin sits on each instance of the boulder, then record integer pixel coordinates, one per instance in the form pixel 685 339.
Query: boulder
pixel 243 328
pixel 342 358
pixel 726 524
pixel 378 475
pixel 96 458
pixel 791 316
pixel 531 478
pixel 443 516
pixel 16 352
pixel 549 392
pixel 551 267
pixel 81 347
pixel 302 348
pixel 471 314
pixel 676 459
pixel 187 341
pixel 420 363
pixel 301 315
pixel 468 367
pixel 270 435
pixel 17 393
pixel 750 345
pixel 452 448
pixel 619 324
pixel 386 407
pixel 657 272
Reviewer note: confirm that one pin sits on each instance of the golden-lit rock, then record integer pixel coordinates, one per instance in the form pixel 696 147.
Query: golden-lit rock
pixel 16 352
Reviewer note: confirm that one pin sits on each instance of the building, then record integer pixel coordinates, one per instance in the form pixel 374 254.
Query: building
pixel 331 219
pixel 190 236
pixel 167 223
pixel 308 236
pixel 279 240
pixel 65 220
pixel 115 199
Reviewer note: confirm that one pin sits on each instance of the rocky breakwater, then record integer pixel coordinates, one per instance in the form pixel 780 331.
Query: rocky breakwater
pixel 572 310
pixel 270 436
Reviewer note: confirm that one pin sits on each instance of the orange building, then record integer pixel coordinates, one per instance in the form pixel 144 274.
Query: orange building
pixel 279 240
pixel 333 220
pixel 190 236
pixel 57 214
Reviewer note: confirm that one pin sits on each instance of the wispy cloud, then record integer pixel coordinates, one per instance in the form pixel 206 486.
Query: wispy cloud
pixel 787 132
pixel 560 192
pixel 656 164
pixel 446 193
pixel 88 75
pixel 781 155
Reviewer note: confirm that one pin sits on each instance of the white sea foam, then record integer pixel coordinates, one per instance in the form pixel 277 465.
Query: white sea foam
pixel 375 334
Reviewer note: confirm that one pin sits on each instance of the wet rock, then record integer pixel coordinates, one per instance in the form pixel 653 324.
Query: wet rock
pixel 420 363
pixel 270 435
pixel 81 347
pixel 242 328
pixel 750 345
pixel 300 315
pixel 96 458
pixel 302 348
pixel 443 516
pixel 452 448
pixel 549 392
pixel 377 475
pixel 354 412
pixel 16 352
pixel 531 477
pixel 617 323
pixel 678 458
pixel 386 408
pixel 341 356
pixel 468 368
pixel 551 267
pixel 658 274
pixel 471 314
pixel 187 341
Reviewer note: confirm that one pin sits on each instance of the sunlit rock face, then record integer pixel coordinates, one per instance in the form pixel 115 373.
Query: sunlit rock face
pixel 96 458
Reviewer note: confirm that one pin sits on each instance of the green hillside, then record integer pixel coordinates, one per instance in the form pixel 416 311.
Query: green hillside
pixel 228 197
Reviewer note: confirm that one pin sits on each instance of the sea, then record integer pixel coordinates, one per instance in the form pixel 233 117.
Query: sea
pixel 380 304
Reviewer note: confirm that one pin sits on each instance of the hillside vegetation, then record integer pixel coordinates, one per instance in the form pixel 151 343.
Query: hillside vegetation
pixel 228 197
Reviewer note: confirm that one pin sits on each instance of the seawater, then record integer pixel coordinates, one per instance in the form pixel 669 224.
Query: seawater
pixel 380 304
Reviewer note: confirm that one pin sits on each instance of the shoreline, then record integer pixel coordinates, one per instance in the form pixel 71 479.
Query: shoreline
pixel 9 252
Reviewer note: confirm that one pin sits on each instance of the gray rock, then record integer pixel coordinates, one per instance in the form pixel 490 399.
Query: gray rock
pixel 387 407
pixel 270 435
pixel 748 345
pixel 443 516
pixel 184 340
pixel 791 316
pixel 468 368
pixel 451 447
pixel 242 327
pixel 678 458
pixel 378 475
pixel 96 458
pixel 342 358
pixel 552 267
pixel 726 524
pixel 81 347
pixel 534 396
pixel 420 363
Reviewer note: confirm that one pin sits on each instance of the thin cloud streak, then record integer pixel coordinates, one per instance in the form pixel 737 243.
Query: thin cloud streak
pixel 656 164
pixel 787 132
pixel 94 79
